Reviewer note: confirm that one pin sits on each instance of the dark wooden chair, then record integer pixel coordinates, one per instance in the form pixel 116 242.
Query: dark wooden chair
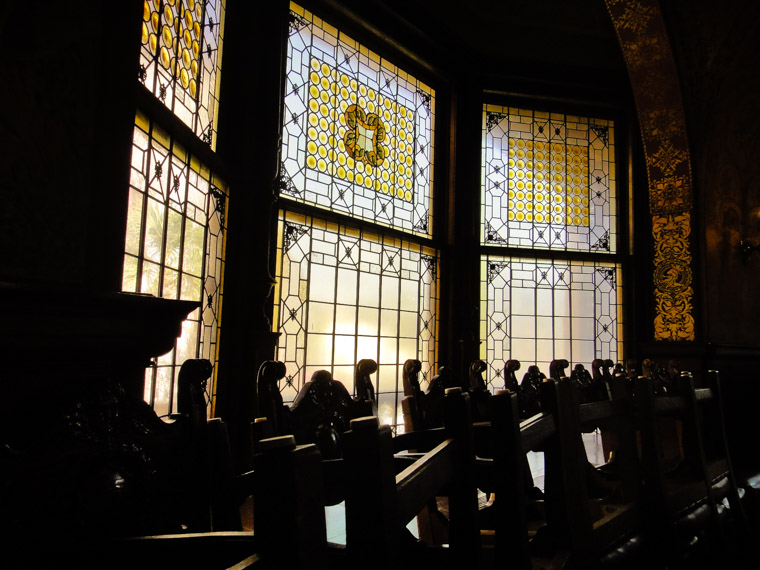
pixel 685 498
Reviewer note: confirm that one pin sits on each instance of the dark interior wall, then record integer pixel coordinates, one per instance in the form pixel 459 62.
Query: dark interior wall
pixel 67 69
pixel 717 47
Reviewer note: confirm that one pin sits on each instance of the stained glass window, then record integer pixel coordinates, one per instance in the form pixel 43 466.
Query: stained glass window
pixel 180 59
pixel 174 247
pixel 548 181
pixel 358 131
pixel 536 311
pixel 344 295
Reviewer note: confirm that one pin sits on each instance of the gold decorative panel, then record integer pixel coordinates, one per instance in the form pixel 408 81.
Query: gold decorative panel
pixel 654 78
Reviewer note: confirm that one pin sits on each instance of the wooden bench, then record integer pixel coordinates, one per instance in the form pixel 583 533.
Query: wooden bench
pixel 685 500
pixel 386 500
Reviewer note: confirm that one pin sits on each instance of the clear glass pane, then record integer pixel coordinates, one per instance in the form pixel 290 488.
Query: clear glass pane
pixel 172 248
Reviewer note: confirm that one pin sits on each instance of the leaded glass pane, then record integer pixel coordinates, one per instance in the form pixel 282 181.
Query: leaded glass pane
pixel 536 311
pixel 174 248
pixel 345 295
pixel 358 131
pixel 548 181
pixel 180 59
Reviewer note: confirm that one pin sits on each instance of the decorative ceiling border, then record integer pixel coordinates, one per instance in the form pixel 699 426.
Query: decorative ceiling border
pixel 654 79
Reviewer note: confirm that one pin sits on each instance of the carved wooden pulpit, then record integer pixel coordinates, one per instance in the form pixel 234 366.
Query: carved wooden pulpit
pixel 81 453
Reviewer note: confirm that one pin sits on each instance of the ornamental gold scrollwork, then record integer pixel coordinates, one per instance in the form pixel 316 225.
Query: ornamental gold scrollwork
pixel 673 278
pixel 357 119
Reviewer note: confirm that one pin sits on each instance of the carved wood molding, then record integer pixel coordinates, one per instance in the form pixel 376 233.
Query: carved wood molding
pixel 654 79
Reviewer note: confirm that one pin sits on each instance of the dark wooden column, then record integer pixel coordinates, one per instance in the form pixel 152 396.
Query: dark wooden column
pixel 248 143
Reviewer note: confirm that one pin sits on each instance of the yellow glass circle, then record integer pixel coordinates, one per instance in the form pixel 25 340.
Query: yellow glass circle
pixel 165 57
pixel 311 162
pixel 166 34
pixel 511 215
pixel 311 146
pixel 520 216
pixel 341 172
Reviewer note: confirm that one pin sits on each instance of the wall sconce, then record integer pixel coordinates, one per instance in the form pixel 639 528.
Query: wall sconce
pixel 746 247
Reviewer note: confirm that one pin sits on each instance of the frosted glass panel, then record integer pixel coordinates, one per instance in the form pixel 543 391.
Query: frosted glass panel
pixel 383 326
pixel 536 311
